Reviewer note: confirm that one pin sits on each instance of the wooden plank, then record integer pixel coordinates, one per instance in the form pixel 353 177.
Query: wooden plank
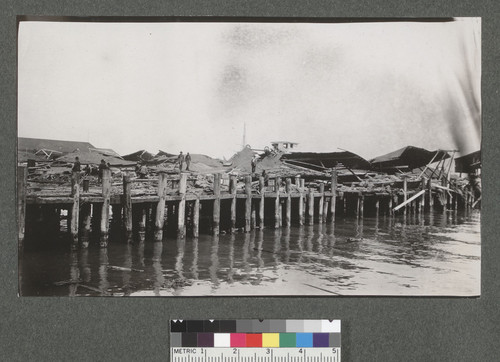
pixel 22 175
pixel 75 209
pixel 106 192
pixel 409 200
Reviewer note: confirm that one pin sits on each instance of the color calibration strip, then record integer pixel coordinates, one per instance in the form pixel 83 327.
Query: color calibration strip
pixel 259 340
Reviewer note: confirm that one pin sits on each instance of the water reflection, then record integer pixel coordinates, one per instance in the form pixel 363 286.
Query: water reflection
pixel 431 253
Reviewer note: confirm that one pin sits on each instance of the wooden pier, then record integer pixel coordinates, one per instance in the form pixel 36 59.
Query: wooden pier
pixel 132 207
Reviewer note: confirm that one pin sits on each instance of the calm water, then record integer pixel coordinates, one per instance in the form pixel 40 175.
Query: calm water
pixel 438 254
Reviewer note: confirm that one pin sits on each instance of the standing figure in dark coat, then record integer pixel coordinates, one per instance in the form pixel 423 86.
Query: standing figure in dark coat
pixel 254 164
pixel 188 161
pixel 77 165
pixel 102 167
pixel 180 160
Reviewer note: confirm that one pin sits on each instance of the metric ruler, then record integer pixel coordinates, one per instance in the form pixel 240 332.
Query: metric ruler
pixel 268 340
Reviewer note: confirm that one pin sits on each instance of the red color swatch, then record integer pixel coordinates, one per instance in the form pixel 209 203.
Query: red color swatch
pixel 254 339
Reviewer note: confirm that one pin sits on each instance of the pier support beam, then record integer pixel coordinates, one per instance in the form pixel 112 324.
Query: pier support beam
pixel 216 216
pixel 22 176
pixel 361 205
pixel 232 190
pixel 181 211
pixel 127 207
pixel 288 215
pixel 321 202
pixel 333 189
pixel 248 203
pixel 106 193
pixel 422 199
pixel 86 210
pixel 196 218
pixel 310 208
pixel 75 208
pixel 160 208
pixel 405 192
pixel 277 205
pixel 261 202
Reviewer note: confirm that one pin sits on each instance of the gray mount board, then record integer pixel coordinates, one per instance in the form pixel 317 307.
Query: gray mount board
pixel 373 328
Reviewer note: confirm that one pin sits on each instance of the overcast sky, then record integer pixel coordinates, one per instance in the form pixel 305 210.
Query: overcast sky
pixel 370 88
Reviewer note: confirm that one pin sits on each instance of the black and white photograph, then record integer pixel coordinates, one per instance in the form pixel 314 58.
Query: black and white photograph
pixel 249 157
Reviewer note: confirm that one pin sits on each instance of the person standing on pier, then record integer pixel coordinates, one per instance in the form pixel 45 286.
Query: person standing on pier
pixel 254 164
pixel 77 165
pixel 180 160
pixel 102 167
pixel 188 161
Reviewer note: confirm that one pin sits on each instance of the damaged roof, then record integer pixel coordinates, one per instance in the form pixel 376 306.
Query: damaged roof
pixel 410 156
pixel 327 160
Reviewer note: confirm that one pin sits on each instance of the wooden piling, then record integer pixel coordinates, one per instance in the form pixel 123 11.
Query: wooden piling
pixel 181 211
pixel 377 207
pixel 106 193
pixel 405 192
pixel 232 190
pixel 310 207
pixel 196 218
pixel 160 208
pixel 75 208
pixel 142 221
pixel 422 199
pixel 333 189
pixel 288 216
pixel 86 184
pixel 297 180
pixel 248 203
pixel 86 210
pixel 277 213
pixel 22 176
pixel 127 207
pixel 216 209
pixel 301 203
pixel 321 202
pixel 429 190
pixel 361 206
pixel 261 202
pixel 325 209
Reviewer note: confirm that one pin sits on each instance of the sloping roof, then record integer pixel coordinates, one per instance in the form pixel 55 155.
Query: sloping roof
pixel 35 144
pixel 468 163
pixel 94 158
pixel 163 153
pixel 410 156
pixel 106 152
pixel 25 156
pixel 141 155
pixel 327 159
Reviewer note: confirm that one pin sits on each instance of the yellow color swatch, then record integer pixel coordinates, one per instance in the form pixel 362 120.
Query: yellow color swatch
pixel 270 339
